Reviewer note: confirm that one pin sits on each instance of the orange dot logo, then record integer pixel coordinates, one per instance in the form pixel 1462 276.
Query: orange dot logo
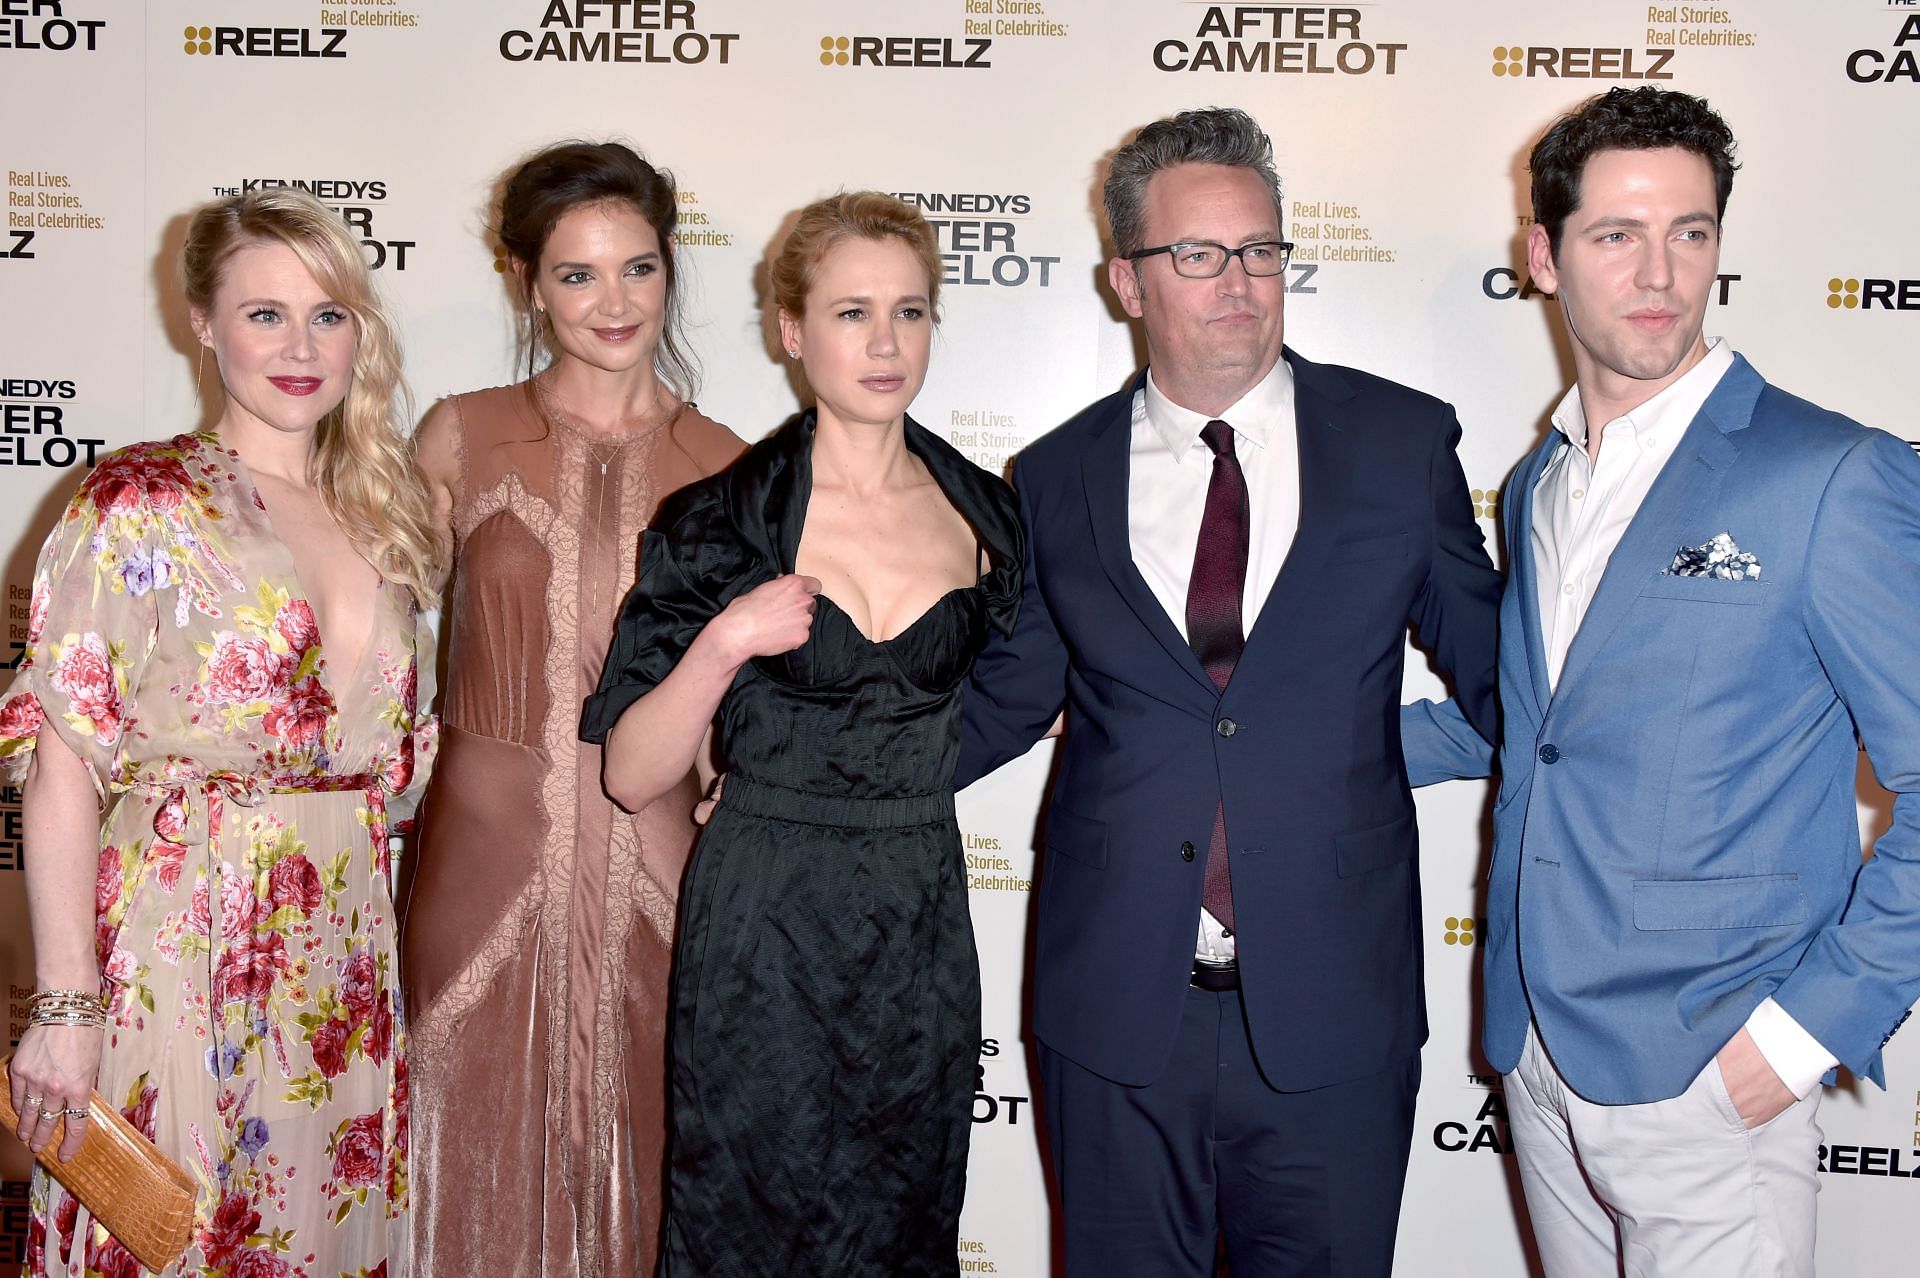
pixel 1486 503
pixel 1509 60
pixel 1843 293
pixel 199 39
pixel 499 259
pixel 1462 931
pixel 833 51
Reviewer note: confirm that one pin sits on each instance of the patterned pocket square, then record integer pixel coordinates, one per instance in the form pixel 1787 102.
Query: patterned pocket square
pixel 1716 557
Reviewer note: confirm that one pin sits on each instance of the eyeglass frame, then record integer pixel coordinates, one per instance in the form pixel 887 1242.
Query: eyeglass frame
pixel 1286 248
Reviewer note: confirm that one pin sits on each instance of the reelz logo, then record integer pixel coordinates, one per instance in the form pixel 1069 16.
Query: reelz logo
pixel 1282 40
pixel 1487 1131
pixel 1525 62
pixel 266 42
pixel 33 424
pixel 630 31
pixel 353 201
pixel 979 248
pixel 41 24
pixel 905 51
pixel 1871 66
pixel 1867 294
pixel 19 247
pixel 987 1108
pixel 1868 1160
pixel 1503 283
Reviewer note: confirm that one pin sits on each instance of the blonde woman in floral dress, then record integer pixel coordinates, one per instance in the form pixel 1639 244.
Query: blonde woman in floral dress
pixel 217 703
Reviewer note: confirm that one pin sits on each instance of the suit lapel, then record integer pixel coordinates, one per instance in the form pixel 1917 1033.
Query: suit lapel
pixel 1104 472
pixel 1518 511
pixel 1325 467
pixel 1668 518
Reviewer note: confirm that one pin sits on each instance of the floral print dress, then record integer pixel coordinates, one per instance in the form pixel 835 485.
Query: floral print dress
pixel 244 918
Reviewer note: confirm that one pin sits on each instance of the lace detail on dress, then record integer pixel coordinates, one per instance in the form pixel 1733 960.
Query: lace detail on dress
pixel 587 933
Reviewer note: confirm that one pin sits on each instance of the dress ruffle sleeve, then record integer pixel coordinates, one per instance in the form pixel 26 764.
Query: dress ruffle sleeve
pixel 692 564
pixel 95 616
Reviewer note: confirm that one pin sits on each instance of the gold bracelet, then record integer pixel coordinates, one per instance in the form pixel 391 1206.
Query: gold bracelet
pixel 96 1019
pixel 66 1002
pixel 66 1009
pixel 44 995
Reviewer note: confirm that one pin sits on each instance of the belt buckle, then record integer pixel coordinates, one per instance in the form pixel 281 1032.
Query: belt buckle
pixel 1216 977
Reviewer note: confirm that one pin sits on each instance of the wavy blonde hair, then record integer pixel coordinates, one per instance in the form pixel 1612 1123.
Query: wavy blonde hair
pixel 362 456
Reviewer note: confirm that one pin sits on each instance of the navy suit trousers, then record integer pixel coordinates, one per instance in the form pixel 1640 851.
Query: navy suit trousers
pixel 1298 1184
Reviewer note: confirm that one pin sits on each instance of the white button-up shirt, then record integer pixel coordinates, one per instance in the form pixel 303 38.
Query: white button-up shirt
pixel 1582 505
pixel 1168 469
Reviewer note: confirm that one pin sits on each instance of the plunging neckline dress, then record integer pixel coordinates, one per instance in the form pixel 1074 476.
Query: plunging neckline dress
pixel 826 1018
pixel 244 919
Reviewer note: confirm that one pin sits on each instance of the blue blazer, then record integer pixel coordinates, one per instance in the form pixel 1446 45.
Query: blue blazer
pixel 1675 837
pixel 1303 747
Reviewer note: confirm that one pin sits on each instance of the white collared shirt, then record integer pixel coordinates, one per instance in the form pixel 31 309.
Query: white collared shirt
pixel 1581 509
pixel 1168 469
pixel 1582 506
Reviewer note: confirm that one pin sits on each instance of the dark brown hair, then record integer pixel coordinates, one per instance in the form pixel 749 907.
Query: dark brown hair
pixel 1642 119
pixel 569 175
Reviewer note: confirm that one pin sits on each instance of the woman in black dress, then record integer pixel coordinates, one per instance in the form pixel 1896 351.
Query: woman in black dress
pixel 826 595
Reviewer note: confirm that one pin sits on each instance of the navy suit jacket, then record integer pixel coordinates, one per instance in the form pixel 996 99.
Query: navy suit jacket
pixel 1303 747
pixel 1675 837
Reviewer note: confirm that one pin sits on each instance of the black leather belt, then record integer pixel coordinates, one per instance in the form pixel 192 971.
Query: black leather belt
pixel 1215 976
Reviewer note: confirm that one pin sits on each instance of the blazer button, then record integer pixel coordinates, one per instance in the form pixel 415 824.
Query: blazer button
pixel 1549 754
pixel 1226 727
pixel 1186 851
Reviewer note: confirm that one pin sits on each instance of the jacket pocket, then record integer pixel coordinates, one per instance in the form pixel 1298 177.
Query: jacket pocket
pixel 1705 589
pixel 1081 838
pixel 1374 848
pixel 1678 905
pixel 1392 546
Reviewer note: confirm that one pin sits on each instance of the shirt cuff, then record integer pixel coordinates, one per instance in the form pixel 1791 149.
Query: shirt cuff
pixel 1795 1055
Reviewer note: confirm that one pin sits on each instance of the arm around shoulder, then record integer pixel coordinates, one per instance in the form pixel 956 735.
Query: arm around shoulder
pixel 1458 613
pixel 1019 681
pixel 436 452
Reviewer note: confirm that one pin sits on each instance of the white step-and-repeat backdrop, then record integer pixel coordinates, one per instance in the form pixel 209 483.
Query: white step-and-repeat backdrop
pixel 1401 128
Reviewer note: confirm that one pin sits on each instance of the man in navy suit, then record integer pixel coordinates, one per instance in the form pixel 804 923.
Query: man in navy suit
pixel 1222 563
pixel 1714 585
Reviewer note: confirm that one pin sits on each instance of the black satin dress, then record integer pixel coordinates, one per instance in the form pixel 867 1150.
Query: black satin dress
pixel 826 1018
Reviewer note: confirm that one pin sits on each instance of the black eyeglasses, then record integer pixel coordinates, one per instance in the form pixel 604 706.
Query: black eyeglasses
pixel 1203 261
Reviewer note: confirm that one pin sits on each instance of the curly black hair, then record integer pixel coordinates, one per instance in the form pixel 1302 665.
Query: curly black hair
pixel 1642 119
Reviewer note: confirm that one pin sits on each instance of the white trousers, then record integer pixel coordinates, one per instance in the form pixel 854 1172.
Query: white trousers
pixel 1676 1188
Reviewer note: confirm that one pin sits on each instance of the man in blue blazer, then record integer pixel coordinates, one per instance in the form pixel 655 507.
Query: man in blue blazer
pixel 1714 585
pixel 1222 563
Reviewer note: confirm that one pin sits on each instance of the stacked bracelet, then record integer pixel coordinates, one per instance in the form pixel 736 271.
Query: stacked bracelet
pixel 66 1007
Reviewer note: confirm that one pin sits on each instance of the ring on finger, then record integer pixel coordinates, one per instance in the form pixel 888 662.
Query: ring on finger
pixel 34 1101
pixel 75 1113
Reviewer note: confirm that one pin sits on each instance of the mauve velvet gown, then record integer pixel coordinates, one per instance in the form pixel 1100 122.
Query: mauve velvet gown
pixel 539 931
pixel 826 1018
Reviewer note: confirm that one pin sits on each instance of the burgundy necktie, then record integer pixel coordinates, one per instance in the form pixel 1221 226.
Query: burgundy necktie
pixel 1213 617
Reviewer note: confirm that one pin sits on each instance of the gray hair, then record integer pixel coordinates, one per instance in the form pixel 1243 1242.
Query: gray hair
pixel 1212 135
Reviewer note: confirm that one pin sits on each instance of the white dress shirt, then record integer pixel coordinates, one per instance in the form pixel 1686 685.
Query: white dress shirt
pixel 1581 509
pixel 1168 469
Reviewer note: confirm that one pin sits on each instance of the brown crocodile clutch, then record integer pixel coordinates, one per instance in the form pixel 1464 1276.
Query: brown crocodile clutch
pixel 142 1197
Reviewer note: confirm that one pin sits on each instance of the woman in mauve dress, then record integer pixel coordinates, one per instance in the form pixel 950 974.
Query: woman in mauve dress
pixel 540 926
